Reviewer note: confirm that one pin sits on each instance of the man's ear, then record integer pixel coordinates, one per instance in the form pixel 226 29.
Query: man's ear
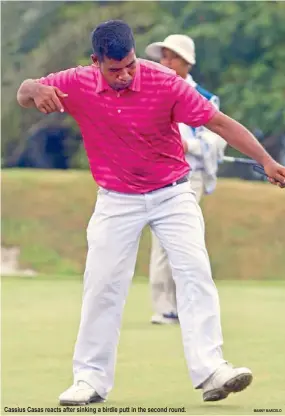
pixel 95 60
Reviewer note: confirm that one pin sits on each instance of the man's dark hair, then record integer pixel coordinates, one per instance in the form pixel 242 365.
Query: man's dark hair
pixel 113 39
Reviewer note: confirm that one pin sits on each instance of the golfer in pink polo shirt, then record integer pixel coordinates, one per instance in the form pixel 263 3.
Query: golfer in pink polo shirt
pixel 128 110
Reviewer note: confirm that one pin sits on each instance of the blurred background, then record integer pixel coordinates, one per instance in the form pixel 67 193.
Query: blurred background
pixel 48 196
pixel 240 50
pixel 240 57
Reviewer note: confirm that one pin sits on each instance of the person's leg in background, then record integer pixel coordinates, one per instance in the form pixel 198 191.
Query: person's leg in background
pixel 177 221
pixel 162 285
pixel 113 237
pixel 197 184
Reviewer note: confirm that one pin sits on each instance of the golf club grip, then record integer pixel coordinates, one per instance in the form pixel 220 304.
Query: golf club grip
pixel 259 169
pixel 251 162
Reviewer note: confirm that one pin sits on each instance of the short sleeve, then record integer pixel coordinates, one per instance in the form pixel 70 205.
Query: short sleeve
pixel 189 107
pixel 67 82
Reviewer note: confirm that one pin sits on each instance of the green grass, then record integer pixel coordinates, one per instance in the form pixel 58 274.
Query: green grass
pixel 45 213
pixel 40 317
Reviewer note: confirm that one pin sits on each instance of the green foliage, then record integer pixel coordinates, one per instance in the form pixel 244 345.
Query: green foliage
pixel 240 52
pixel 79 159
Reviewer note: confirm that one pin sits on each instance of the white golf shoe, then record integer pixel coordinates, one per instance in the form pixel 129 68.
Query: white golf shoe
pixel 79 394
pixel 224 381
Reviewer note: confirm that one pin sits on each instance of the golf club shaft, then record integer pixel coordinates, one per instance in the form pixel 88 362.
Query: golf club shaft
pixel 244 161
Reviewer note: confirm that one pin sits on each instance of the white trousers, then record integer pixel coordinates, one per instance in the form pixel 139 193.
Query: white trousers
pixel 113 237
pixel 163 292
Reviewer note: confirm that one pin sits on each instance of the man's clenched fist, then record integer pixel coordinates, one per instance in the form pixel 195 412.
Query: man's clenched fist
pixel 47 99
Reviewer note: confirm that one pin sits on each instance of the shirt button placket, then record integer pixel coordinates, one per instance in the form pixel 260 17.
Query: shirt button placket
pixel 118 95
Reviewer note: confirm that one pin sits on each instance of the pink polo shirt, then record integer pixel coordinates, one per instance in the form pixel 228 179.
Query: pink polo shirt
pixel 131 137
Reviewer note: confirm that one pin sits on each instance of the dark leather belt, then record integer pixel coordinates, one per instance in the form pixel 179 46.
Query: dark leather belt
pixel 178 182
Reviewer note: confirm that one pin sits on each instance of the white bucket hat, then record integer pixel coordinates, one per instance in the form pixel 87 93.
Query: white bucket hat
pixel 181 44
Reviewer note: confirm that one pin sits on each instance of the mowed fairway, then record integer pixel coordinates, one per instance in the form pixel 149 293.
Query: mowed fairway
pixel 49 225
pixel 40 318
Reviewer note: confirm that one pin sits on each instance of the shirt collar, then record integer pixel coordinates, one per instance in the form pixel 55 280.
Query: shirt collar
pixel 190 81
pixel 102 84
pixel 136 84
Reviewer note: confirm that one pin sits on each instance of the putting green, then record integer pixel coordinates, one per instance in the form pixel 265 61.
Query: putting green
pixel 40 317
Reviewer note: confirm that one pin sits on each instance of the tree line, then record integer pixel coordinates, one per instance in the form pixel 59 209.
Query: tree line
pixel 240 50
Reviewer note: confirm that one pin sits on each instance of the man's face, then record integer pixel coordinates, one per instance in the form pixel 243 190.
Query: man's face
pixel 175 62
pixel 118 74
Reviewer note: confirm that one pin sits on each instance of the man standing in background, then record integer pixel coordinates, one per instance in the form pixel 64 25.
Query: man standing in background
pixel 203 150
